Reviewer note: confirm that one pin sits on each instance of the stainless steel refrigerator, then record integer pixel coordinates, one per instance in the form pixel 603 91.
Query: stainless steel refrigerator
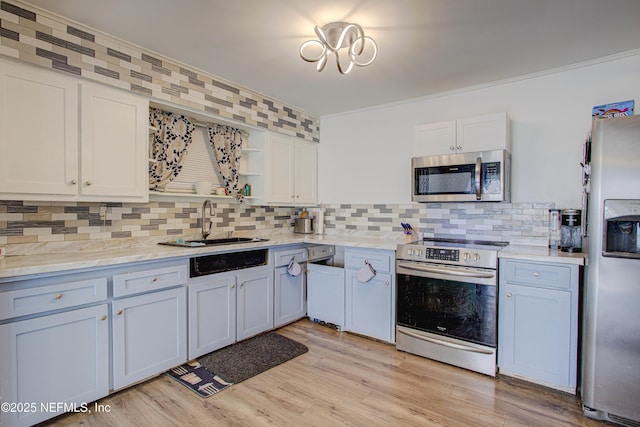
pixel 611 312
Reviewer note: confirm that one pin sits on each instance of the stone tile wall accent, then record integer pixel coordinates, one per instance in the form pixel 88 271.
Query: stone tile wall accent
pixel 524 223
pixel 24 222
pixel 40 222
pixel 40 38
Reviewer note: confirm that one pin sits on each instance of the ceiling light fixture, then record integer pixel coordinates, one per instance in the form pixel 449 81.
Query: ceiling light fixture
pixel 336 36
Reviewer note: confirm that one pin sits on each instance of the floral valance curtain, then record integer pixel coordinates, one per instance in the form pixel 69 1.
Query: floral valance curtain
pixel 169 147
pixel 227 145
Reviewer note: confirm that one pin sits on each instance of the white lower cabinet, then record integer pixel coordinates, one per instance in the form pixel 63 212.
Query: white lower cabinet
pixel 290 297
pixel 255 302
pixel 149 335
pixel 53 364
pixel 290 287
pixel 212 313
pixel 370 305
pixel 229 307
pixel 325 294
pixel 538 322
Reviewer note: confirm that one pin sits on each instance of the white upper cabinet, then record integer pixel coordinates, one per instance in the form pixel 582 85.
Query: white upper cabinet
pixel 38 132
pixel 114 156
pixel 65 139
pixel 292 171
pixel 482 133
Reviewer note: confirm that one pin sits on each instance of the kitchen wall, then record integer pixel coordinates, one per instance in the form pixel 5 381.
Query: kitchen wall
pixel 364 156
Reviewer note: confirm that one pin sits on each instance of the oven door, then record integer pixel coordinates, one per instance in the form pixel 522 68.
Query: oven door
pixel 453 302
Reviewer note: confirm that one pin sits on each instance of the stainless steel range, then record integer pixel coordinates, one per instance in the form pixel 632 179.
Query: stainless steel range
pixel 447 301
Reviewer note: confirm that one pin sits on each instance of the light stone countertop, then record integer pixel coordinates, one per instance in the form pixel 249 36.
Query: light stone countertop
pixel 79 256
pixel 92 255
pixel 541 254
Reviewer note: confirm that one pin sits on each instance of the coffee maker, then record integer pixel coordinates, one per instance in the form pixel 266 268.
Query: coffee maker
pixel 570 230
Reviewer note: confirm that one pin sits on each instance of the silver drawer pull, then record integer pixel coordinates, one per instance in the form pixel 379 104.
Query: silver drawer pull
pixel 120 312
pixel 536 275
pixel 58 296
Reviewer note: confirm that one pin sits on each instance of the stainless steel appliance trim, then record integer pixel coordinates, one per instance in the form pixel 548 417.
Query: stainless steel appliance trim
pixel 448 271
pixel 414 269
pixel 483 362
pixel 502 156
pixel 447 343
pixel 478 178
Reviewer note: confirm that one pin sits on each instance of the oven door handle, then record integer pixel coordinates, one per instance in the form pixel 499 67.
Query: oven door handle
pixel 452 272
pixel 446 344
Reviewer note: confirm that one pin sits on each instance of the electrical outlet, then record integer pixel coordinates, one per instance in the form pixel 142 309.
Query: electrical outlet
pixel 103 211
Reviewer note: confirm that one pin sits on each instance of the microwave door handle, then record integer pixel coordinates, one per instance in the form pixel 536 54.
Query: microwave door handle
pixel 478 177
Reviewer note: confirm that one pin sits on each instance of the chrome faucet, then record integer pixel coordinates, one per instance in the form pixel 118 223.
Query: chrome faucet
pixel 206 229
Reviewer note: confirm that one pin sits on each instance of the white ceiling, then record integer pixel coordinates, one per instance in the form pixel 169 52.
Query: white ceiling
pixel 425 46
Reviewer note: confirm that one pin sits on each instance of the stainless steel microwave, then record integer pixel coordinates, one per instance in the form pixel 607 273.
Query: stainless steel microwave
pixel 464 177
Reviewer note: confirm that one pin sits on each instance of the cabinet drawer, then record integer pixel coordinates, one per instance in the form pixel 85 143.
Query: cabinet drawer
pixel 22 302
pixel 380 261
pixel 149 280
pixel 284 257
pixel 537 274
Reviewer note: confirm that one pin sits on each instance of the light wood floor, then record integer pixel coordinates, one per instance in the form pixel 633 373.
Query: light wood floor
pixel 344 379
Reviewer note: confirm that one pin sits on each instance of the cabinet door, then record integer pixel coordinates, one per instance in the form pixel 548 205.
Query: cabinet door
pixel 114 154
pixel 38 132
pixel 434 139
pixel 212 313
pixel 60 358
pixel 290 297
pixel 369 306
pixel 149 335
pixel 255 303
pixel 490 132
pixel 534 333
pixel 306 172
pixel 325 294
pixel 280 171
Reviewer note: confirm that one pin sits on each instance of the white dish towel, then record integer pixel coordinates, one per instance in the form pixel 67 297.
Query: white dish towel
pixel 294 269
pixel 366 273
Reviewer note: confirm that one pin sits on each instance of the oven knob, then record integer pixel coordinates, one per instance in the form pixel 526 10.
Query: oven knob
pixel 476 257
pixel 466 256
pixel 420 252
pixel 409 251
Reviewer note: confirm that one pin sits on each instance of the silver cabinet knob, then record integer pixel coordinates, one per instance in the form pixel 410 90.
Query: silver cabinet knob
pixel 58 296
pixel 73 182
pixel 536 275
pixel 459 147
pixel 104 317
pixel 452 148
pixel 88 183
pixel 120 312
pixel 509 295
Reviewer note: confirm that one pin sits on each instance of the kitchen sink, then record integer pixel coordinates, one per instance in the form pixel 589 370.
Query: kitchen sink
pixel 213 242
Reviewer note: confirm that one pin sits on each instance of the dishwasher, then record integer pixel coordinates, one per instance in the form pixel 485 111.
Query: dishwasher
pixel 326 285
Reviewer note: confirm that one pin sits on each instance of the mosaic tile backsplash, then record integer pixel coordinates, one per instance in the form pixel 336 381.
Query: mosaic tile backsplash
pixel 43 39
pixel 40 222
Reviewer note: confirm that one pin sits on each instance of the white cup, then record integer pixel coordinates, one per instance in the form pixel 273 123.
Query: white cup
pixel 221 191
pixel 203 187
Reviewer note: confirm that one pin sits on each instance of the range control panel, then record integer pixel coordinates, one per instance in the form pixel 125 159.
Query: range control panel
pixel 454 256
pixel 442 254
